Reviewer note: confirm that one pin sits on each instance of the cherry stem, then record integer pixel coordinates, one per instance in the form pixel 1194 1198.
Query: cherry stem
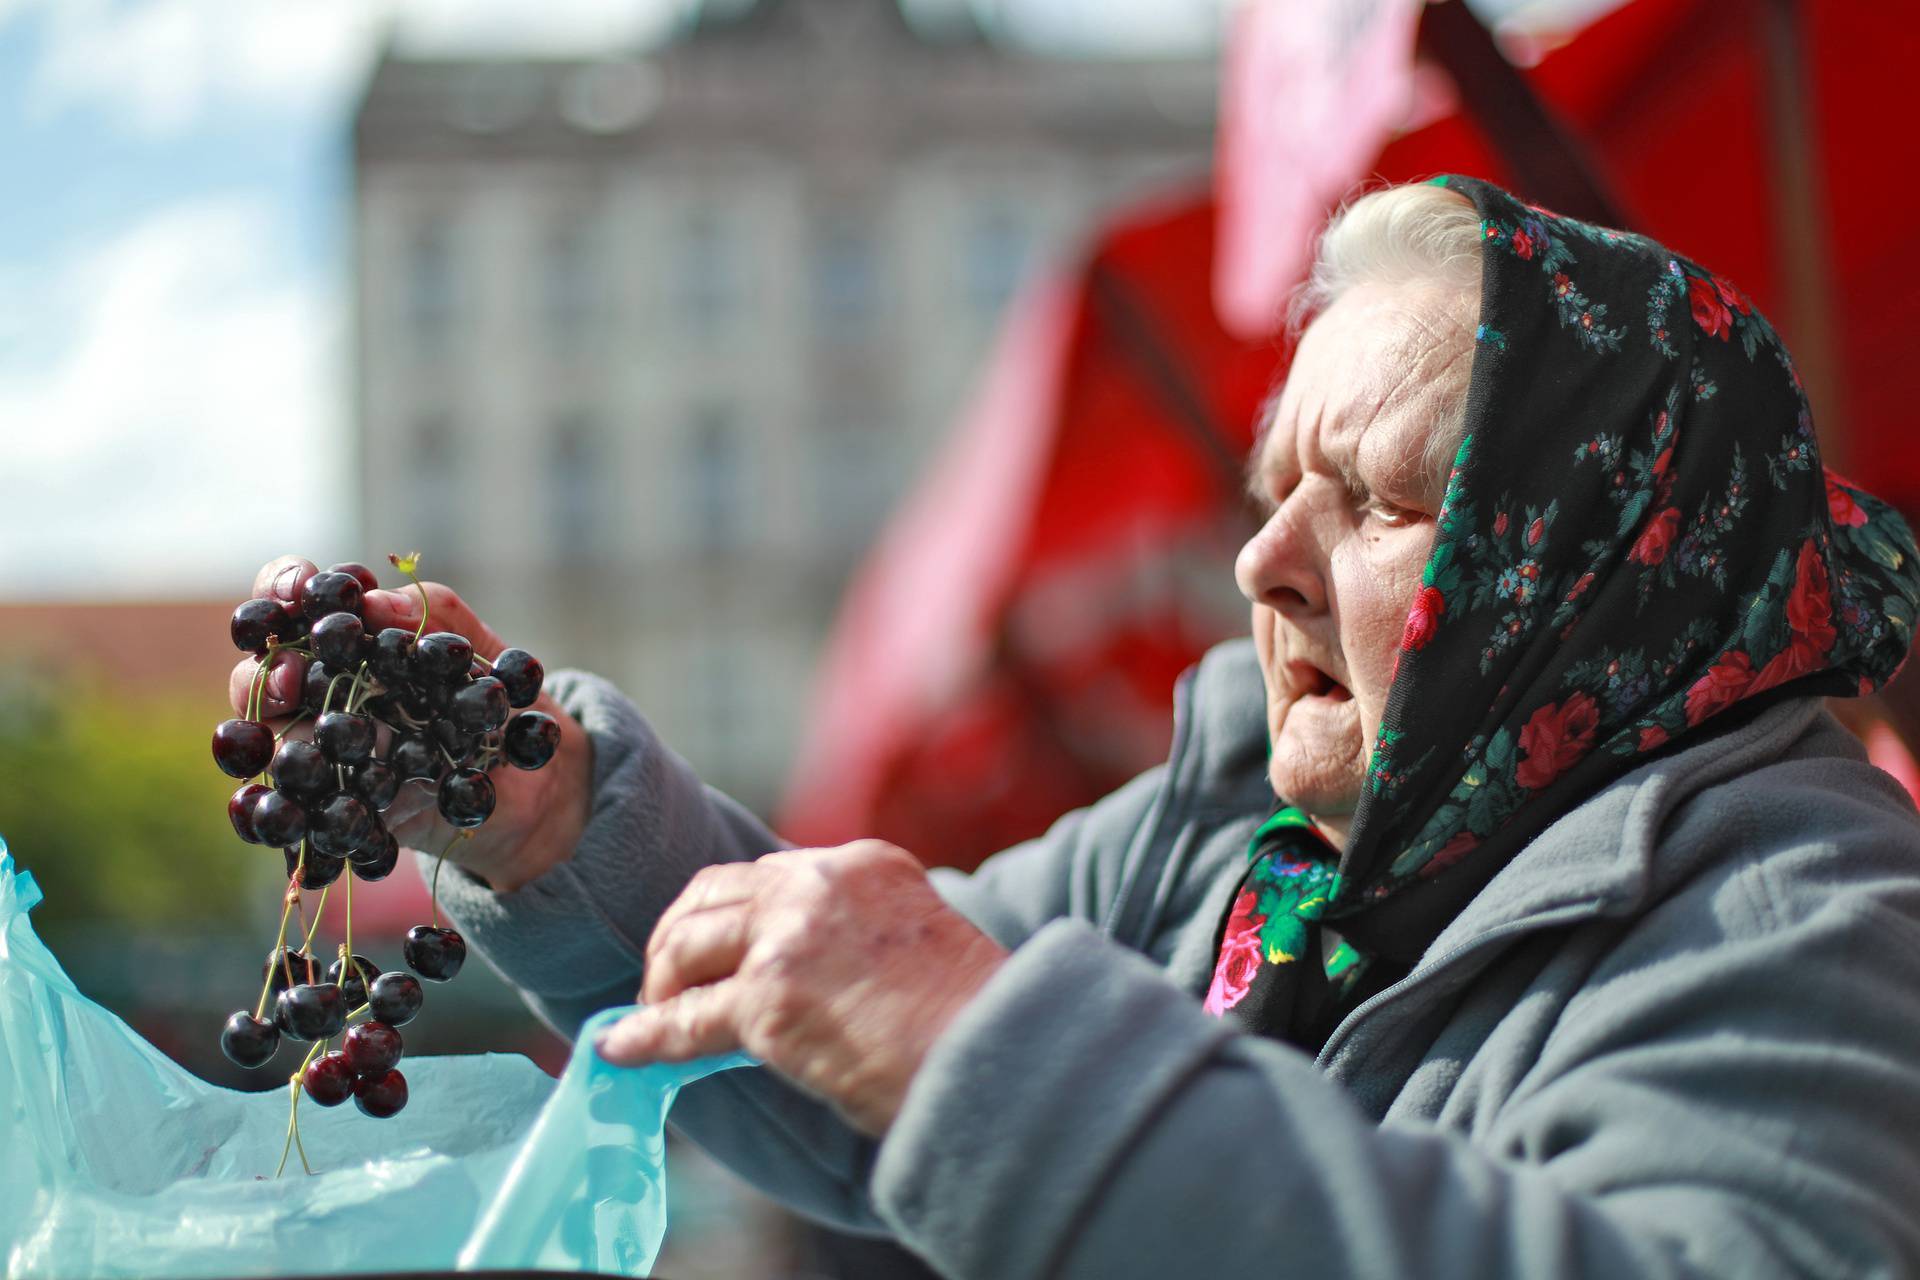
pixel 254 690
pixel 484 661
pixel 425 604
pixel 353 694
pixel 346 954
pixel 326 704
pixel 293 1116
pixel 280 942
pixel 280 736
pixel 318 908
pixel 433 889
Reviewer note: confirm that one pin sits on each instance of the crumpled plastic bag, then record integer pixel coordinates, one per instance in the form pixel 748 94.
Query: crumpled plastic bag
pixel 115 1161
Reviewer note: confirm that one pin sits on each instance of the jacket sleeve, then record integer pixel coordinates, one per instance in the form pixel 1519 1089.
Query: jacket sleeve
pixel 1734 1092
pixel 572 941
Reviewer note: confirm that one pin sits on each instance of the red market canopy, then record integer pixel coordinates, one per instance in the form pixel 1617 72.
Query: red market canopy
pixel 1009 650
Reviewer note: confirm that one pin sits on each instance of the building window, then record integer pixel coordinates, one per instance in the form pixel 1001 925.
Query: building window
pixel 572 289
pixel 996 256
pixel 576 467
pixel 723 696
pixel 430 286
pixel 846 294
pixel 436 472
pixel 857 480
pixel 708 273
pixel 716 486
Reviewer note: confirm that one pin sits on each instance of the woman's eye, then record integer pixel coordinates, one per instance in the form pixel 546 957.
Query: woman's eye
pixel 1392 516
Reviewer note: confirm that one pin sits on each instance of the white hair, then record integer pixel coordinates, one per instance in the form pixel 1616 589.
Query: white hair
pixel 1411 234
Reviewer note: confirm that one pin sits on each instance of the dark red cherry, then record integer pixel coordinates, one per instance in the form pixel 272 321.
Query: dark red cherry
pixel 294 626
pixel 340 825
pixel 240 811
pixel 435 954
pixel 443 657
pixel 466 797
pixel 532 738
pixel 302 772
pixel 247 1041
pixel 394 998
pixel 372 864
pixel 328 1079
pixel 328 593
pixel 254 623
pixel 372 1048
pixel 361 574
pixel 414 756
pixel 479 706
pixel 425 701
pixel 523 675
pixel 287 968
pixel 337 639
pixel 344 738
pixel 375 782
pixel 278 819
pixel 381 1097
pixel 318 871
pixel 392 655
pixel 242 748
pixel 353 981
pixel 312 1012
pixel 313 688
pixel 450 738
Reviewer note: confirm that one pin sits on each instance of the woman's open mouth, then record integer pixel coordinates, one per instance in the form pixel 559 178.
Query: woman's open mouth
pixel 1309 681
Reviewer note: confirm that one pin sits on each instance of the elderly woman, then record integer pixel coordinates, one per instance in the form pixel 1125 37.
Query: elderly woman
pixel 1581 941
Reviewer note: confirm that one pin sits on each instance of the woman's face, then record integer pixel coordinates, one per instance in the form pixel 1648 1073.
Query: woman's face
pixel 1351 504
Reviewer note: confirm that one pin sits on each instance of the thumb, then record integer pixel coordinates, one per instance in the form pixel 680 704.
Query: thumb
pixel 446 611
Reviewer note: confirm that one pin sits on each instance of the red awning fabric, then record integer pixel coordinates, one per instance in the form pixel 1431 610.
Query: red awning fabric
pixel 1671 97
pixel 1009 650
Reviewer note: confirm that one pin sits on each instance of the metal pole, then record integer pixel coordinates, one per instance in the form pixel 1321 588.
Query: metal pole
pixel 1550 165
pixel 1800 224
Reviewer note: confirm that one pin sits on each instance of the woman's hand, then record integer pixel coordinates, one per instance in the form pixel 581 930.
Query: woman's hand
pixel 538 816
pixel 837 967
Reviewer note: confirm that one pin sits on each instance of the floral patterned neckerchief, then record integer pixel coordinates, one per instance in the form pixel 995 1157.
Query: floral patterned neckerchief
pixel 1637 538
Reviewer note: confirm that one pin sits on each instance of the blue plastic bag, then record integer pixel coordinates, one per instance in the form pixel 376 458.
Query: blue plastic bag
pixel 114 1161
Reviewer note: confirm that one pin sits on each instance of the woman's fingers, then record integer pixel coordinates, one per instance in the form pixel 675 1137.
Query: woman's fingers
pixel 694 1024
pixel 722 885
pixel 280 578
pixel 283 690
pixel 697 949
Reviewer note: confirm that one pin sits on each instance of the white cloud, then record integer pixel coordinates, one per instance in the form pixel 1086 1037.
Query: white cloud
pixel 189 427
pixel 1114 27
pixel 162 67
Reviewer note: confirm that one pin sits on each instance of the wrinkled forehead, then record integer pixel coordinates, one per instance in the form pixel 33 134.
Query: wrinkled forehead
pixel 1373 377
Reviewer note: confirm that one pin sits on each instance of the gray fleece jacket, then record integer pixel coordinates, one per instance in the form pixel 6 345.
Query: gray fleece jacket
pixel 1678 1035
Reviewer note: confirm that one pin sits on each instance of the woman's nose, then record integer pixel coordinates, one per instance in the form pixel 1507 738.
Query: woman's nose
pixel 1280 564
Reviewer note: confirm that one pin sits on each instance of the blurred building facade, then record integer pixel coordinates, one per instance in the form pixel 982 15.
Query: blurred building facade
pixel 647 347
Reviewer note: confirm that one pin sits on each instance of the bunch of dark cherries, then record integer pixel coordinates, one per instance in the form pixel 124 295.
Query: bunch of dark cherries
pixel 450 718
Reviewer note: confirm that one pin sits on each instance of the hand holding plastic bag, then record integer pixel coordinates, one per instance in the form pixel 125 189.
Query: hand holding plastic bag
pixel 117 1162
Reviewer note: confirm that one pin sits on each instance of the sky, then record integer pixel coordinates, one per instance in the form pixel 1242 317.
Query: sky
pixel 173 398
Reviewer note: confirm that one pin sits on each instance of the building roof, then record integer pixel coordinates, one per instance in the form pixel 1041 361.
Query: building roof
pixel 134 648
pixel 805 19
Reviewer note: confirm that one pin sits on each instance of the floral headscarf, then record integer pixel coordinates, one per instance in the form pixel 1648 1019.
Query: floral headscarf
pixel 1637 542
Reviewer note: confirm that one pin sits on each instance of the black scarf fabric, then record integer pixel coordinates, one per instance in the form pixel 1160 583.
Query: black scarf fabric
pixel 1638 544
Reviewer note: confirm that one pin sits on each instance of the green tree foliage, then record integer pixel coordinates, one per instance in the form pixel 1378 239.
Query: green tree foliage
pixel 117 809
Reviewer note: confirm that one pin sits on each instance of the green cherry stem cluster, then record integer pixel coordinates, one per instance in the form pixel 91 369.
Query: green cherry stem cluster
pixel 389 710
